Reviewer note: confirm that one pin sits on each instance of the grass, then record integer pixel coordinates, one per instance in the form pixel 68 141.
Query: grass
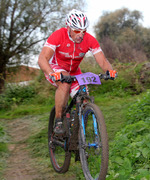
pixel 113 98
pixel 38 143
pixel 23 110
pixel 3 147
pixel 114 111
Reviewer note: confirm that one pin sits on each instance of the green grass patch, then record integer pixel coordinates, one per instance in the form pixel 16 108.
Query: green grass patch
pixel 23 110
pixel 3 148
pixel 130 149
pixel 115 111
pixel 3 139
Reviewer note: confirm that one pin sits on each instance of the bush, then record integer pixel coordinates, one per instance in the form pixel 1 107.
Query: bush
pixel 130 150
pixel 140 110
pixel 15 95
pixel 123 51
pixel 145 75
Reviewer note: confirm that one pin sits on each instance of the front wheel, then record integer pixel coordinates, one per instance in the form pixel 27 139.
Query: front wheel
pixel 59 155
pixel 93 143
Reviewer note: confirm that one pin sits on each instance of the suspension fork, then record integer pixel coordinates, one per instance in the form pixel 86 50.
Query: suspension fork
pixel 95 125
pixel 81 120
pixel 82 126
pixel 95 131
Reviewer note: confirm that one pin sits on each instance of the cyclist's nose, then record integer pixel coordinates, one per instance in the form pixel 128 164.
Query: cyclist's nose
pixel 81 34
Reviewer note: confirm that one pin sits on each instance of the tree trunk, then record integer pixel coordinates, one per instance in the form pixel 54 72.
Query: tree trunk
pixel 2 78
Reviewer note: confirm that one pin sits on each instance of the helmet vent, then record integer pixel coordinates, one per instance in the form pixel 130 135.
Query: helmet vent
pixel 77 19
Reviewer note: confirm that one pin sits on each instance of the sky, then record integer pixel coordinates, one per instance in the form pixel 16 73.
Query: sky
pixel 95 9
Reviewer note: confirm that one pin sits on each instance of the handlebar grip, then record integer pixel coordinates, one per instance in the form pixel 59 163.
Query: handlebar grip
pixel 106 76
pixel 67 79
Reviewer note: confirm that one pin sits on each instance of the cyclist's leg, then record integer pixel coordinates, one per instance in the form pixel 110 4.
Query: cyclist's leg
pixel 62 91
pixel 61 96
pixel 61 99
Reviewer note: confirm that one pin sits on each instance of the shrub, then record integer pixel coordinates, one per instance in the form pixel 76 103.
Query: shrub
pixel 15 95
pixel 140 110
pixel 130 150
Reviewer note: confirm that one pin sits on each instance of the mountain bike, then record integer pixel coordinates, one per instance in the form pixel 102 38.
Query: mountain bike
pixel 85 132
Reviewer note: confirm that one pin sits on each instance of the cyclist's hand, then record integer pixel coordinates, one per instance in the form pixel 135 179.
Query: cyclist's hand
pixel 112 74
pixel 56 76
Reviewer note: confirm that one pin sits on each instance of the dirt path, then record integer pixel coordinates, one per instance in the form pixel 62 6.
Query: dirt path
pixel 20 165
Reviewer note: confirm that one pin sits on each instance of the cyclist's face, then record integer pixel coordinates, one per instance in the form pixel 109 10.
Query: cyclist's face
pixel 77 36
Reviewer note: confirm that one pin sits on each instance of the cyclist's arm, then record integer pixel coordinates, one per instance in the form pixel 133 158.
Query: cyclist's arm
pixel 102 61
pixel 43 60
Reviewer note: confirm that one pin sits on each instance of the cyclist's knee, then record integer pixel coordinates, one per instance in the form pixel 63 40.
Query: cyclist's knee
pixel 65 87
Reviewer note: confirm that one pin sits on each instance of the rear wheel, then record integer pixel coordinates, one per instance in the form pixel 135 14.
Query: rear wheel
pixel 93 143
pixel 59 155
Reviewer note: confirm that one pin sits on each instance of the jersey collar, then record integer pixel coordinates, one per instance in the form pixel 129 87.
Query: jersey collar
pixel 70 36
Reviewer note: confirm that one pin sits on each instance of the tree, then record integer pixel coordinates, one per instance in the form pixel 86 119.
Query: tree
pixel 146 40
pixel 23 24
pixel 123 30
pixel 113 23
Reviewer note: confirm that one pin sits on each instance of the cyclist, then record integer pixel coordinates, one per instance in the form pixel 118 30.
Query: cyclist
pixel 63 52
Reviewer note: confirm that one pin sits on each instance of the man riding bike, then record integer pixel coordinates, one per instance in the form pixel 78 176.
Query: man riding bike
pixel 63 52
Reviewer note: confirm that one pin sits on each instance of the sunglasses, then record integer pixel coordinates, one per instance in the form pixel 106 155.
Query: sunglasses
pixel 78 31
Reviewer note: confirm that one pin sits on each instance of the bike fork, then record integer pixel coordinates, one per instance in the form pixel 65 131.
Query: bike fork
pixel 94 144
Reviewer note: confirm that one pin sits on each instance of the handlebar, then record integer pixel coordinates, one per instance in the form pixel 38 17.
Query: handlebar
pixel 69 79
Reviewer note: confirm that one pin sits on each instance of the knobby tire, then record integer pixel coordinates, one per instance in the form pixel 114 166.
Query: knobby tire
pixel 55 150
pixel 98 168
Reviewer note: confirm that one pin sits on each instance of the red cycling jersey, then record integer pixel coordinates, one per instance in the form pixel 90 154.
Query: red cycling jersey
pixel 69 54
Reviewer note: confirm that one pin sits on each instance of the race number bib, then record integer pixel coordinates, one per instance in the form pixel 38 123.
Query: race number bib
pixel 88 78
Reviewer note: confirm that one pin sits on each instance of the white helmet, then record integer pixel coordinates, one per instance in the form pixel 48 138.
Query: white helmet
pixel 77 20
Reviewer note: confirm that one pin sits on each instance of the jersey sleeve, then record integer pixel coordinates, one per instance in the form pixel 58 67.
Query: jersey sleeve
pixel 53 41
pixel 94 45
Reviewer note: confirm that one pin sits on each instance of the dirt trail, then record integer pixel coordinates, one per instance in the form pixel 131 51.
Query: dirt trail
pixel 20 164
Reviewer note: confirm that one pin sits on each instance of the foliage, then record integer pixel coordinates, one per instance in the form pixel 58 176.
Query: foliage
pixel 144 74
pixel 3 147
pixel 146 41
pixel 114 23
pixel 129 152
pixel 20 100
pixel 16 94
pixel 23 24
pixel 122 36
pixel 142 109
pixel 127 83
pixel 41 94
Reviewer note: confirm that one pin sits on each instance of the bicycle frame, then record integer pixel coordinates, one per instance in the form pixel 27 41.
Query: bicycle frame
pixel 78 100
